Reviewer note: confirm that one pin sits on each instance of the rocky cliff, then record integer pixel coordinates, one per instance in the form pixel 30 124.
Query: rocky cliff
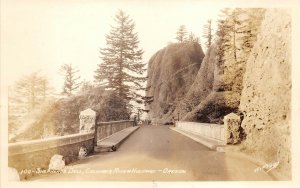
pixel 257 87
pixel 213 93
pixel 266 95
pixel 217 88
pixel 192 87
pixel 171 72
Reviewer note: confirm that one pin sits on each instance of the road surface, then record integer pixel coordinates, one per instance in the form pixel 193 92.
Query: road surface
pixel 156 153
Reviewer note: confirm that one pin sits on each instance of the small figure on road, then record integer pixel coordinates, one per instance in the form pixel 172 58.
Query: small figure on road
pixel 134 119
pixel 173 121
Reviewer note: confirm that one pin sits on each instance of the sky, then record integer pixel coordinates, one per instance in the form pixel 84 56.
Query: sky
pixel 43 35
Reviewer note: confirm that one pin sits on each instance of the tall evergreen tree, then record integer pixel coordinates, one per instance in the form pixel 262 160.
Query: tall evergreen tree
pixel 71 78
pixel 122 68
pixel 229 31
pixel 252 22
pixel 223 36
pixel 193 38
pixel 238 30
pixel 181 34
pixel 31 90
pixel 207 34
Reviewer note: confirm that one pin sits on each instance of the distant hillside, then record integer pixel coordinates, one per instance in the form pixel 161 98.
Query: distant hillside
pixel 62 117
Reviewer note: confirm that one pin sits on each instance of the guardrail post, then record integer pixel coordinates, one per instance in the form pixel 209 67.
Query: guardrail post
pixel 232 125
pixel 87 121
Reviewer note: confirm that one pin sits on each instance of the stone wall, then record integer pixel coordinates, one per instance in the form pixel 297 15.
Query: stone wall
pixel 31 155
pixel 105 129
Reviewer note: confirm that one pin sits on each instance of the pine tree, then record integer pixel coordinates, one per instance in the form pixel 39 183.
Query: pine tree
pixel 223 37
pixel 207 34
pixel 71 78
pixel 236 35
pixel 122 68
pixel 193 38
pixel 181 34
pixel 229 30
pixel 31 90
pixel 251 27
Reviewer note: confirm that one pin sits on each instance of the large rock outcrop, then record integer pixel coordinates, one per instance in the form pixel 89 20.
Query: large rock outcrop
pixel 171 73
pixel 213 93
pixel 257 86
pixel 219 82
pixel 266 97
pixel 204 81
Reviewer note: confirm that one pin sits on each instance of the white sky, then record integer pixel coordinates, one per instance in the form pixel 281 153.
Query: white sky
pixel 43 35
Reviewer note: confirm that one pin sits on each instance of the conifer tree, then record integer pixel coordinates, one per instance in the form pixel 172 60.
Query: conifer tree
pixel 207 34
pixel 31 90
pixel 224 38
pixel 238 30
pixel 71 78
pixel 228 32
pixel 254 17
pixel 121 68
pixel 181 34
pixel 193 38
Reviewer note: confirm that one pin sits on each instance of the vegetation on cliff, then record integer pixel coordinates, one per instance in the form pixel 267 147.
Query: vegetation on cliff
pixel 62 117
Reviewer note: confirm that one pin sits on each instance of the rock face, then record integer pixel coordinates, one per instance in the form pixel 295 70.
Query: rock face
pixel 203 83
pixel 232 127
pixel 266 97
pixel 218 85
pixel 211 96
pixel 171 72
pixel 13 174
pixel 205 92
pixel 82 153
pixel 57 162
pixel 257 87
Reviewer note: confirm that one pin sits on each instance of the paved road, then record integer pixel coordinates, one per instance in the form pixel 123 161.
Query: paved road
pixel 156 153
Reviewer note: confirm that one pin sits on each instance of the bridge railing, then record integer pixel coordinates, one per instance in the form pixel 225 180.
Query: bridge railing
pixel 105 129
pixel 228 133
pixel 212 131
pixel 28 156
pixel 31 157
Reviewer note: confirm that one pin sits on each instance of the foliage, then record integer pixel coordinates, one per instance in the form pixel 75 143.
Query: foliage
pixel 251 27
pixel 26 100
pixel 61 117
pixel 30 91
pixel 193 38
pixel 122 68
pixel 71 78
pixel 181 34
pixel 207 34
pixel 237 30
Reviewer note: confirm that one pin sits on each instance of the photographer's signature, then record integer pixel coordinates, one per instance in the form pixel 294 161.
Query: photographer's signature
pixel 267 167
